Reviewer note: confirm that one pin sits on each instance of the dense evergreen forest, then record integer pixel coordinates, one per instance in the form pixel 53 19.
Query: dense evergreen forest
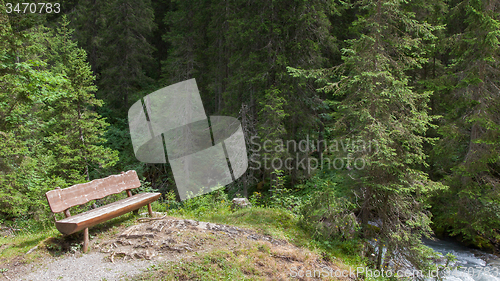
pixel 396 102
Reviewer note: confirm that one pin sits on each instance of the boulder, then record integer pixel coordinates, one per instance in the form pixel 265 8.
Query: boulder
pixel 240 203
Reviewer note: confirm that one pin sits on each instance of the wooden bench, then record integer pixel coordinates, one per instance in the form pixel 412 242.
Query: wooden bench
pixel 60 200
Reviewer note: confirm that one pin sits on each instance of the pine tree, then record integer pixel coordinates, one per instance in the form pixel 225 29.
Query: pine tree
pixel 469 154
pixel 125 51
pixel 73 130
pixel 384 119
pixel 239 51
pixel 25 84
pixel 88 21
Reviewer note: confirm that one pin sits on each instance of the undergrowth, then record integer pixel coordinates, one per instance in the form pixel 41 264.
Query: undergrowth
pixel 282 213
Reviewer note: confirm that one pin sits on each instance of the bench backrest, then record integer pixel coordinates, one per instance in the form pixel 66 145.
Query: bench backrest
pixel 63 199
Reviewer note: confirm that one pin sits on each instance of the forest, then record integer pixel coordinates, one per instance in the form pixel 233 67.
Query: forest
pixel 377 123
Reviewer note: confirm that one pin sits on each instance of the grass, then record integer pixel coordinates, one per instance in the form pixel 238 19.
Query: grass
pixel 277 222
pixel 216 207
pixel 21 243
pixel 268 221
pixel 46 236
pixel 252 262
pixel 216 265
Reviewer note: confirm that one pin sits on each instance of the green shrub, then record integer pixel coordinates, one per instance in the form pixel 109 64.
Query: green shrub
pixel 328 216
pixel 328 213
pixel 203 206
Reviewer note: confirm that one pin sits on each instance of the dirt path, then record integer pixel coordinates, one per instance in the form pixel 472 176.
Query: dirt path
pixel 93 266
pixel 138 247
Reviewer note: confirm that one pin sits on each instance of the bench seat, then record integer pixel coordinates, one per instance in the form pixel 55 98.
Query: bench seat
pixel 61 200
pixel 90 218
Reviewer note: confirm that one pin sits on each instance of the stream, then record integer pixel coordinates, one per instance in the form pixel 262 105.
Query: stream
pixel 474 264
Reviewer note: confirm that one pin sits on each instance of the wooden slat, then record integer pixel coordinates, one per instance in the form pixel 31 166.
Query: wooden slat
pixel 62 199
pixel 90 218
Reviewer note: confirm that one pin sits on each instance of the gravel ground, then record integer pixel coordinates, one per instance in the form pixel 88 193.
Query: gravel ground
pixel 150 242
pixel 92 266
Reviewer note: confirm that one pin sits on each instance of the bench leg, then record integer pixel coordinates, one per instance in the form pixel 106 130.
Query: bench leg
pixel 85 240
pixel 150 210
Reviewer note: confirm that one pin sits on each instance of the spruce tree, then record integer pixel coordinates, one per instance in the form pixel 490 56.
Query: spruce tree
pixel 468 156
pixel 384 120
pixel 262 39
pixel 88 20
pixel 124 52
pixel 185 35
pixel 239 51
pixel 26 82
pixel 73 130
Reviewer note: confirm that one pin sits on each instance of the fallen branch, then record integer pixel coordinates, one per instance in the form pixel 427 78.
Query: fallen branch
pixel 9 228
pixel 32 249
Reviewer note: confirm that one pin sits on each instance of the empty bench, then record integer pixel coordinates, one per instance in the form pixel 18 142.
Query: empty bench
pixel 60 200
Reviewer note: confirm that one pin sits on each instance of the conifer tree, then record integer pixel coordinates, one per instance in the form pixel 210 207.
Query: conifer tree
pixel 25 84
pixel 468 156
pixel 384 119
pixel 124 51
pixel 185 35
pixel 239 51
pixel 73 130
pixel 88 20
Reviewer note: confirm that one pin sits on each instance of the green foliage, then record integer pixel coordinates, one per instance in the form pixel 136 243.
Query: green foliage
pixel 239 61
pixel 117 38
pixel 449 265
pixel 375 103
pixel 50 135
pixel 115 35
pixel 125 51
pixel 328 216
pixel 272 129
pixel 25 85
pixel 204 206
pixel 282 197
pixel 467 158
pixel 145 187
pixel 185 39
pixel 418 80
pixel 73 129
